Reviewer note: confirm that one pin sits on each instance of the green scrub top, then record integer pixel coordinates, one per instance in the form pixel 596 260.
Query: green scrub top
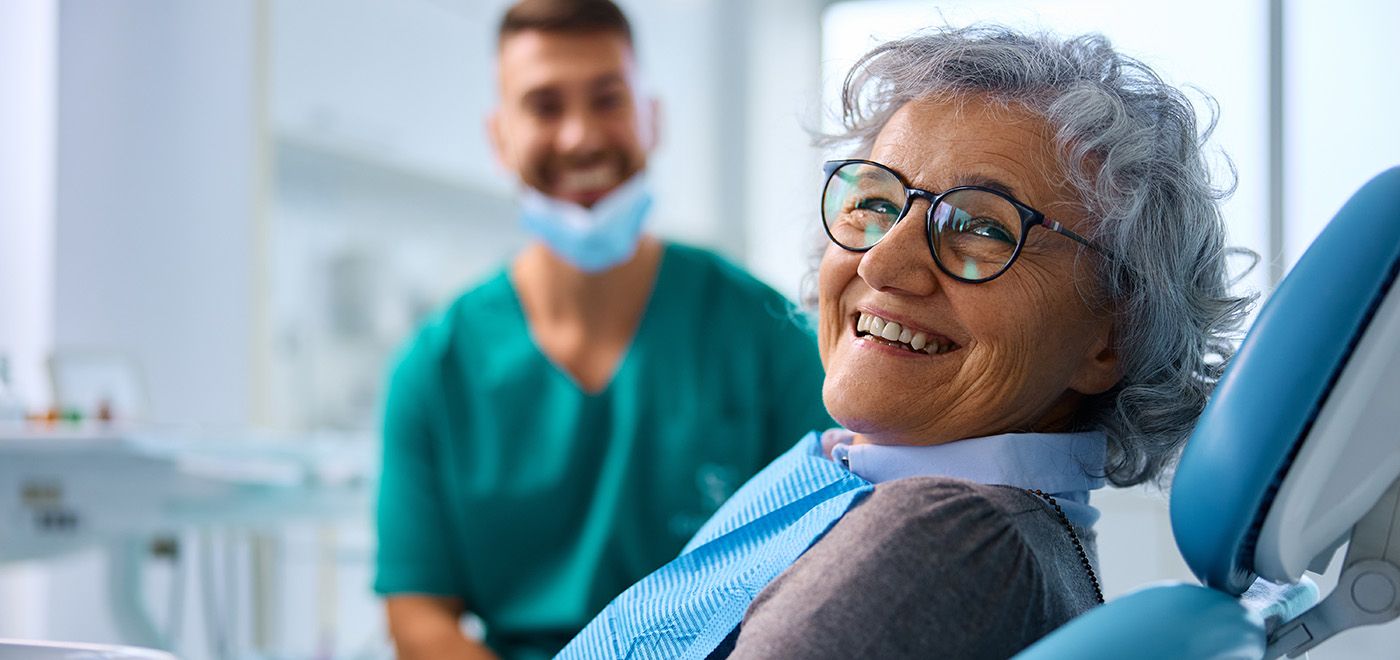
pixel 535 502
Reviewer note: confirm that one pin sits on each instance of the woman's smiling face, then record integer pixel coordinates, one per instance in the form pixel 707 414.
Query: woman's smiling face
pixel 1017 353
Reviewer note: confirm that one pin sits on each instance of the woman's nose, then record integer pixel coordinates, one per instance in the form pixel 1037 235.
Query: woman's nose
pixel 900 262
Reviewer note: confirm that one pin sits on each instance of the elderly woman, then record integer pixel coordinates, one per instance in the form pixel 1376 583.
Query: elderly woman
pixel 1024 295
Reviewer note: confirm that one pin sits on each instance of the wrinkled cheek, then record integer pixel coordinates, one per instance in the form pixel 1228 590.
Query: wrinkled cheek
pixel 1013 376
pixel 832 280
pixel 829 329
pixel 996 372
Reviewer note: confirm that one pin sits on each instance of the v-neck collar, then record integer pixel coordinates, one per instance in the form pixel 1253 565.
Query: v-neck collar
pixel 623 362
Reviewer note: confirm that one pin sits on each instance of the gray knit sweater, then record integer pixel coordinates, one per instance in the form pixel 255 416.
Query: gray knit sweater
pixel 925 567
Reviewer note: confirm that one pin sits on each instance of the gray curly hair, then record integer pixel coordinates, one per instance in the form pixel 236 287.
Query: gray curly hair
pixel 1129 145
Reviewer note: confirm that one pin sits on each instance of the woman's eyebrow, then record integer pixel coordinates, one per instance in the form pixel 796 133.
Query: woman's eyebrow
pixel 984 181
pixel 988 182
pixel 862 175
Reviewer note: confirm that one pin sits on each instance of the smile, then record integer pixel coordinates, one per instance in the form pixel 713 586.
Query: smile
pixel 874 328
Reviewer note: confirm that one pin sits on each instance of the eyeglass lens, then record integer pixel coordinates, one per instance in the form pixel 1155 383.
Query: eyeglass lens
pixel 974 232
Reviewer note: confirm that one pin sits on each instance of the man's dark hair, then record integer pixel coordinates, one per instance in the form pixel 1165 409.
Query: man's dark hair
pixel 564 16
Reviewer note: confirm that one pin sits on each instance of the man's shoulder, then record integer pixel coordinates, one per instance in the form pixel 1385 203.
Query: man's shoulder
pixel 490 292
pixel 716 267
pixel 481 302
pixel 475 307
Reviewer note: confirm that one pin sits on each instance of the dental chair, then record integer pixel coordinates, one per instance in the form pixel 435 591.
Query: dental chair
pixel 1297 453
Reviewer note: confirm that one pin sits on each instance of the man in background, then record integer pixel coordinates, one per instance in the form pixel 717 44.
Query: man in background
pixel 564 426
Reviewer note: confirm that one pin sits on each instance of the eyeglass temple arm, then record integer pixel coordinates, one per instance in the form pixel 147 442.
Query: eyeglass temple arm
pixel 1065 231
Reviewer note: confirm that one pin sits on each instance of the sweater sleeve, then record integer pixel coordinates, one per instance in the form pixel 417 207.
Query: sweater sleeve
pixel 925 567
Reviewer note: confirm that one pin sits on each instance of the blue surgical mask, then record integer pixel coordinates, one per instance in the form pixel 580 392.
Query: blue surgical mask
pixel 591 239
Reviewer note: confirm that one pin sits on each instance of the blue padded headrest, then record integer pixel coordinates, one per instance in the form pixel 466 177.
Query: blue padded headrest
pixel 1266 401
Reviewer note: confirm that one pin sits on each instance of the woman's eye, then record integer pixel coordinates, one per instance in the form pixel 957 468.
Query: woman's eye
pixel 989 229
pixel 882 206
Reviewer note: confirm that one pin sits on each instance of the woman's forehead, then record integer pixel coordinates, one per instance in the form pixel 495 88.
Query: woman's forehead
pixel 934 142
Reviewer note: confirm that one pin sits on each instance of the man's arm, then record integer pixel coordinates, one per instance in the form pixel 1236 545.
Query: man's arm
pixel 416 567
pixel 428 628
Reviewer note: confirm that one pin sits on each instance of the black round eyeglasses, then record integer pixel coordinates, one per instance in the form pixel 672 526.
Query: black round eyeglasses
pixel 974 233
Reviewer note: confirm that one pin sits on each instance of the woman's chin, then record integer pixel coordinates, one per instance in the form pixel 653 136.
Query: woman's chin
pixel 871 411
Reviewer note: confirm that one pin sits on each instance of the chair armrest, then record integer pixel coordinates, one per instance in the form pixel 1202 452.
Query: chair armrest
pixel 1169 622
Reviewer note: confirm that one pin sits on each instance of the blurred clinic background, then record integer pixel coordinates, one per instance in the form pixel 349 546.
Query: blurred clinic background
pixel 218 219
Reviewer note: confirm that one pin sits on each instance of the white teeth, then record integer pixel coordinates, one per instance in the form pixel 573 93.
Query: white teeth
pixel 891 331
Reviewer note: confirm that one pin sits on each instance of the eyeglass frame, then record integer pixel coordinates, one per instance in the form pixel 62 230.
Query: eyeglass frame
pixel 1030 217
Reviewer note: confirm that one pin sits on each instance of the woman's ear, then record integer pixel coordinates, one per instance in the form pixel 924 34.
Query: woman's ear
pixel 1099 372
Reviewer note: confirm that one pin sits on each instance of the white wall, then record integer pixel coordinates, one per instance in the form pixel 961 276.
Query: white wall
pixel 155 196
pixel 126 210
pixel 404 83
pixel 783 104
pixel 28 70
pixel 346 76
pixel 1342 92
pixel 28 74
